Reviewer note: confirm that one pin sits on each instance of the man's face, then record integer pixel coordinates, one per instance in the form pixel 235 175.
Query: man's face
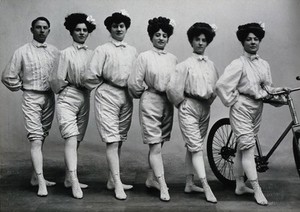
pixel 40 31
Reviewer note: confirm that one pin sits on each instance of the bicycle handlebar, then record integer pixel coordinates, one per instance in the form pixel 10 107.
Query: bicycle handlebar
pixel 284 92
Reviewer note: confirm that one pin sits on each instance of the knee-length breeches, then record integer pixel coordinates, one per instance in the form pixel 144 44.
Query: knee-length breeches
pixel 73 106
pixel 113 111
pixel 156 117
pixel 38 109
pixel 193 117
pixel 245 118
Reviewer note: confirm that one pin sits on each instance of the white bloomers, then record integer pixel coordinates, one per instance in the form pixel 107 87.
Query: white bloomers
pixel 245 118
pixel 156 117
pixel 73 112
pixel 113 111
pixel 38 109
pixel 193 117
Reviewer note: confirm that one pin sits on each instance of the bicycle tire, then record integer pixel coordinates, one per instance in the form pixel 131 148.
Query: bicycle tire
pixel 220 155
pixel 296 151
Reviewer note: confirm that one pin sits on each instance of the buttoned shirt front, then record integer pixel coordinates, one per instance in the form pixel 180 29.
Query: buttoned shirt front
pixel 30 67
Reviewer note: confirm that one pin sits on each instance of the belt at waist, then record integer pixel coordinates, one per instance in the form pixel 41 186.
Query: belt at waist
pixel 194 97
pixel 152 90
pixel 40 92
pixel 249 96
pixel 113 84
pixel 79 88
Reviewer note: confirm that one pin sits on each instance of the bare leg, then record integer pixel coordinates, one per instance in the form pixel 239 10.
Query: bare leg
pixel 198 163
pixel 114 167
pixel 71 161
pixel 158 168
pixel 250 169
pixel 67 182
pixel 37 162
pixel 110 185
pixel 189 171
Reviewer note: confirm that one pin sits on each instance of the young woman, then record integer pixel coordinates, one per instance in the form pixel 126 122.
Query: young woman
pixel 73 99
pixel 192 90
pixel 109 69
pixel 153 68
pixel 240 89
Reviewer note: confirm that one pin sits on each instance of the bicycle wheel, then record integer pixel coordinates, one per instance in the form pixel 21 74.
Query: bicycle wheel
pixel 296 150
pixel 221 149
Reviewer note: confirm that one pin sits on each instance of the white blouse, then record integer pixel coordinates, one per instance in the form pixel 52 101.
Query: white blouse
pixel 112 62
pixel 196 76
pixel 71 67
pixel 153 68
pixel 30 67
pixel 244 75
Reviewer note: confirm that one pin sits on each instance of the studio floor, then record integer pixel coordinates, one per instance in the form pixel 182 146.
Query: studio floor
pixel 280 184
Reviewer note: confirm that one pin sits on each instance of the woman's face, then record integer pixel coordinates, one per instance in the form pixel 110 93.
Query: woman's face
pixel 160 39
pixel 251 44
pixel 118 31
pixel 80 33
pixel 199 44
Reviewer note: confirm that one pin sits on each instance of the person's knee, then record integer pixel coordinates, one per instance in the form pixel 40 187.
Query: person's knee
pixel 155 149
pixel 36 144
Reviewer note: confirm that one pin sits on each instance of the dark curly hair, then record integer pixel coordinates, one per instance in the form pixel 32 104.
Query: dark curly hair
pixel 201 28
pixel 73 19
pixel 244 30
pixel 156 24
pixel 117 18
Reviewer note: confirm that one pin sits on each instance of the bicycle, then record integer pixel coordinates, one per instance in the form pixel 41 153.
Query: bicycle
pixel 221 144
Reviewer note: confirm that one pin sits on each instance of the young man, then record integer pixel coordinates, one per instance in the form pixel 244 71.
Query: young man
pixel 29 70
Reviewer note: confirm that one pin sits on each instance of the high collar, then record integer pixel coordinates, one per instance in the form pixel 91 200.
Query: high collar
pixel 251 56
pixel 118 43
pixel 159 51
pixel 79 46
pixel 200 57
pixel 39 45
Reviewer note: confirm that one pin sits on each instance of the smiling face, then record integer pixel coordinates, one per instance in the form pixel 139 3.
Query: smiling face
pixel 80 33
pixel 118 31
pixel 40 31
pixel 199 44
pixel 251 44
pixel 160 39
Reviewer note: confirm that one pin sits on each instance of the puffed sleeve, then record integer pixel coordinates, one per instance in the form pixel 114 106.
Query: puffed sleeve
pixel 226 86
pixel 11 76
pixel 58 80
pixel 214 94
pixel 136 78
pixel 176 85
pixel 92 78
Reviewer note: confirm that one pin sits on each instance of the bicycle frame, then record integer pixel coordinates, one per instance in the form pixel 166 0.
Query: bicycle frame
pixel 294 124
